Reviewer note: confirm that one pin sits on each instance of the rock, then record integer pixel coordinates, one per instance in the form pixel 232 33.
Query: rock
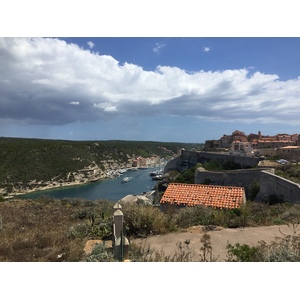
pixel 136 199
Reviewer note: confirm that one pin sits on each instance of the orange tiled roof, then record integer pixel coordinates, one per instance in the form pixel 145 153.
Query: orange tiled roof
pixel 200 194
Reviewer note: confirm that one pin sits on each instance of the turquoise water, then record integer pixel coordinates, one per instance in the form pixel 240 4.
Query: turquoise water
pixel 109 189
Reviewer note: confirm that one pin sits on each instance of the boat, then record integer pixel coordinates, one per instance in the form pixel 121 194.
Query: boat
pixel 126 179
pixel 157 177
pixel 154 173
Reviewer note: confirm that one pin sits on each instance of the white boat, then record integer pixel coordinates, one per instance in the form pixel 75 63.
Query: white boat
pixel 126 179
pixel 157 177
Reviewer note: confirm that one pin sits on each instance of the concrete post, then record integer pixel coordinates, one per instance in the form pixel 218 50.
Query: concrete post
pixel 118 223
pixel 120 242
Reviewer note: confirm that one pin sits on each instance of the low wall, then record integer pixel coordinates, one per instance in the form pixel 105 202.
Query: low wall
pixel 242 177
pixel 272 184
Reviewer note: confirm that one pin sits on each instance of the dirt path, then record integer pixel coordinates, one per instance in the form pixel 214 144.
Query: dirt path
pixel 219 239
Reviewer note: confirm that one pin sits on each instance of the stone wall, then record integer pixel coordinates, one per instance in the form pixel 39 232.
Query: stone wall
pixel 271 184
pixel 242 177
pixel 189 159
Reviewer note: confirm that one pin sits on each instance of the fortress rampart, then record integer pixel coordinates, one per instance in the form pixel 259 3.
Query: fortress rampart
pixel 270 184
pixel 189 159
pixel 242 177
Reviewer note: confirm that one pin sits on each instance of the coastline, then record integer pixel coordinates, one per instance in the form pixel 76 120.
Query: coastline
pixel 50 186
pixel 81 179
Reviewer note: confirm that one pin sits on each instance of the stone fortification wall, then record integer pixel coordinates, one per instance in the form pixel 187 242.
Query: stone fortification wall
pixel 189 159
pixel 241 177
pixel 271 184
pixel 174 164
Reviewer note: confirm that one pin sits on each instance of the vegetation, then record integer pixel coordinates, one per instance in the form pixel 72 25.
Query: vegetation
pixel 48 229
pixel 289 171
pixel 285 249
pixel 216 165
pixel 24 160
pixel 187 176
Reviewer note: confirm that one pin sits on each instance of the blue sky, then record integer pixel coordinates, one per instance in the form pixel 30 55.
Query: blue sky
pixel 163 89
pixel 138 87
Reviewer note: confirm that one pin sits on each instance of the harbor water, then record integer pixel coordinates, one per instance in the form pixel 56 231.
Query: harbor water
pixel 109 189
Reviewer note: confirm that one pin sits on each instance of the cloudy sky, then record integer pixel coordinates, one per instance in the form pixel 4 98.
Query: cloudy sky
pixel 164 89
pixel 148 88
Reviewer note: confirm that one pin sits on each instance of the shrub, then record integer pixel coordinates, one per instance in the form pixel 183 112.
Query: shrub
pixel 100 254
pixel 286 249
pixel 192 216
pixel 273 199
pixel 254 189
pixel 241 253
pixel 141 221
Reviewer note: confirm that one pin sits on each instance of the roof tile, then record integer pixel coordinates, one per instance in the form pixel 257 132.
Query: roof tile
pixel 200 194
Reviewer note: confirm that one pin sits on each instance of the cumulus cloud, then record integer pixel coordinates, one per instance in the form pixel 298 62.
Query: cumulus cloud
pixel 39 76
pixel 105 106
pixel 91 44
pixel 158 47
pixel 206 49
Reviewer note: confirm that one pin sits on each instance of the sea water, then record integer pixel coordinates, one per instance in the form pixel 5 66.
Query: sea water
pixel 109 189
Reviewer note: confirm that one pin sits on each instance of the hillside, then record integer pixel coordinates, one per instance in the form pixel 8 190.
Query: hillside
pixel 52 230
pixel 27 164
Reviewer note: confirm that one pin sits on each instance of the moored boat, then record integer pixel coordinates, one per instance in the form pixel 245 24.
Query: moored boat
pixel 126 179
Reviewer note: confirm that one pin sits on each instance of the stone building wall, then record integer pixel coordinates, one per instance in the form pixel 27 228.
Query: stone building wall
pixel 242 177
pixel 189 159
pixel 271 184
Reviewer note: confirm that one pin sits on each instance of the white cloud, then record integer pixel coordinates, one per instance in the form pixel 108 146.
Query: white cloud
pixel 206 49
pixel 105 106
pixel 38 76
pixel 91 44
pixel 158 47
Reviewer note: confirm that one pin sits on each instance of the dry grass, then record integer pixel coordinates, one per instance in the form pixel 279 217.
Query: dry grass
pixel 38 230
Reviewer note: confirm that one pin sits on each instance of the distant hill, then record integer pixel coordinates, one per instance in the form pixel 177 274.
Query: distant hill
pixel 25 160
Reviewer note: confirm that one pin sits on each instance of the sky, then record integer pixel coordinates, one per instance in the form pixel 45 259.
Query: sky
pixel 186 71
pixel 160 88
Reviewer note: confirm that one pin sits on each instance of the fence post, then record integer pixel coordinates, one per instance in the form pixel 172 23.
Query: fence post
pixel 120 242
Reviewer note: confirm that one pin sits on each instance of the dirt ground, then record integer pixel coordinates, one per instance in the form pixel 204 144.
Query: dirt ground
pixel 219 239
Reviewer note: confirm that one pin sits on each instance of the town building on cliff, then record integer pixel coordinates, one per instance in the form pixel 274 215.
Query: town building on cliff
pixel 286 146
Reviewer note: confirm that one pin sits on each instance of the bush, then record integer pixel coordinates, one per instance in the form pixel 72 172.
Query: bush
pixel 192 216
pixel 187 176
pixel 286 249
pixel 100 254
pixel 141 221
pixel 273 199
pixel 254 189
pixel 242 253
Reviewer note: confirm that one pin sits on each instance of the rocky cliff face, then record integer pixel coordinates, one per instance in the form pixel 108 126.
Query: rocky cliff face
pixel 88 174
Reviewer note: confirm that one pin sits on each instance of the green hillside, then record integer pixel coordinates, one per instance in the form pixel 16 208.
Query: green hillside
pixel 23 160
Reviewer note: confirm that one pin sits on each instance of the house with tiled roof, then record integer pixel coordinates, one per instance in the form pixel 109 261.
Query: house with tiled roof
pixel 222 197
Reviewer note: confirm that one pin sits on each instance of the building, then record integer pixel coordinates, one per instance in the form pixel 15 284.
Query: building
pixel 290 152
pixel 238 143
pixel 221 197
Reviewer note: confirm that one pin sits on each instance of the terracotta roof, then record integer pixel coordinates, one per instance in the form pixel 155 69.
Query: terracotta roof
pixel 201 194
